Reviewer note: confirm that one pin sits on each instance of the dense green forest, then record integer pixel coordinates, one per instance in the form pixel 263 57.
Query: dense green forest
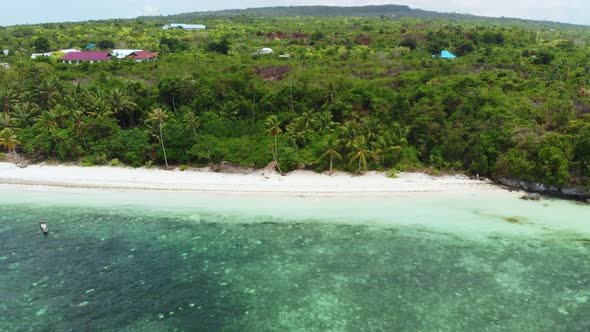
pixel 355 93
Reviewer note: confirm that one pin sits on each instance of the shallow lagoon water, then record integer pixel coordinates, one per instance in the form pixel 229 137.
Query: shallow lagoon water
pixel 159 260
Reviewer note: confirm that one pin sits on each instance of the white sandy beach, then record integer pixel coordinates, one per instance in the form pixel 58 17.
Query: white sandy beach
pixel 258 181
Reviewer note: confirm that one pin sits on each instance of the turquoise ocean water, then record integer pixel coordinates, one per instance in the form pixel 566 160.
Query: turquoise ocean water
pixel 160 261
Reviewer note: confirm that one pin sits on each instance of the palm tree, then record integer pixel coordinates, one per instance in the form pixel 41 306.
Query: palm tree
pixel 22 113
pixel 360 153
pixel 397 138
pixel 121 105
pixel 47 120
pixel 332 146
pixel 95 103
pixel 399 134
pixel 60 115
pixel 70 101
pixel 274 129
pixel 307 120
pixel 159 116
pixel 380 148
pixel 324 122
pixel 329 95
pixel 49 91
pixel 6 121
pixel 372 128
pixel 297 132
pixel 349 133
pixel 192 121
pixel 100 109
pixel 7 99
pixel 8 139
pixel 77 117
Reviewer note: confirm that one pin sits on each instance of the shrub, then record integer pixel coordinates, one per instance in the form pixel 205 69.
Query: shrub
pixel 100 159
pixel 409 42
pixel 553 165
pixel 392 173
pixel 87 161
pixel 130 146
pixel 515 164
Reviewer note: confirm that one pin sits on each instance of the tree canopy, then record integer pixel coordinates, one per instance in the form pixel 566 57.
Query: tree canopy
pixel 352 94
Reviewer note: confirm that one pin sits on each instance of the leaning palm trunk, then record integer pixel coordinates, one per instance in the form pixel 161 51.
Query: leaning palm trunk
pixel 84 140
pixel 54 138
pixel 331 164
pixel 276 154
pixel 163 148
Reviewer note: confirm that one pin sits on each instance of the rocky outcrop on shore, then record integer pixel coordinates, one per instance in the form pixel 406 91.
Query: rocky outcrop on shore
pixel 567 192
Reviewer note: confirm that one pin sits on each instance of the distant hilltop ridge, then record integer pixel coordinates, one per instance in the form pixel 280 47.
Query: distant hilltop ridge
pixel 325 11
pixel 390 11
pixel 359 11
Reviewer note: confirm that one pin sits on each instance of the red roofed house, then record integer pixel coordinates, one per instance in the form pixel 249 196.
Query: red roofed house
pixel 141 56
pixel 92 57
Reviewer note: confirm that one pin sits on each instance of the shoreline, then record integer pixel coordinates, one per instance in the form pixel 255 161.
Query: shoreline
pixel 442 204
pixel 260 181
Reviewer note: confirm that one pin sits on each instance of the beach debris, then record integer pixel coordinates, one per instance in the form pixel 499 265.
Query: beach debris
pixel 531 197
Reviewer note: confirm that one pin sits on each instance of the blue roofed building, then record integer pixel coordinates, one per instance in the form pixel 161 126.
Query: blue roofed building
pixel 447 55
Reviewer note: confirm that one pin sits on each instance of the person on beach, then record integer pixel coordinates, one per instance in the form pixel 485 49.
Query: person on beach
pixel 44 227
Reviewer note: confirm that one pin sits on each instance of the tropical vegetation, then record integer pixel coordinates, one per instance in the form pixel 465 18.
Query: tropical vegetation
pixel 349 93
